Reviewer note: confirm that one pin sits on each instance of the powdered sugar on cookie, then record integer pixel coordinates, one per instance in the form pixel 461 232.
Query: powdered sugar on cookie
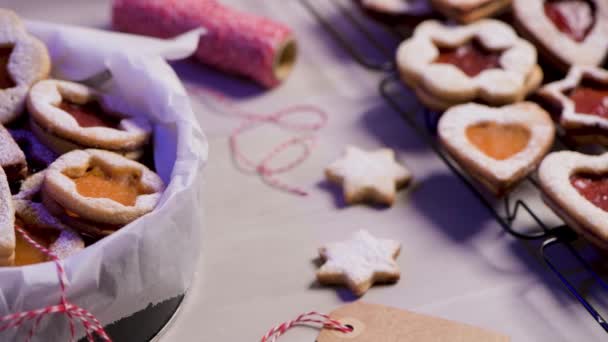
pixel 556 93
pixel 509 83
pixel 453 127
pixel 27 61
pixel 368 176
pixel 360 262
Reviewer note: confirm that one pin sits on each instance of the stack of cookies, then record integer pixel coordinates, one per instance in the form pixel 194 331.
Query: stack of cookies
pixel 70 170
pixel 478 72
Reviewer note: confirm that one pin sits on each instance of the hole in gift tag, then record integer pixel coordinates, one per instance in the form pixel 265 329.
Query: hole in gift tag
pixel 356 328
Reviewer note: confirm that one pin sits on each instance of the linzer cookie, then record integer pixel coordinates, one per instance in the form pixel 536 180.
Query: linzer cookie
pixel 567 32
pixel 32 216
pixel 98 189
pixel 67 116
pixel 581 101
pixel 467 11
pixel 368 176
pixel 575 186
pixel 484 61
pixel 23 61
pixel 497 146
pixel 360 262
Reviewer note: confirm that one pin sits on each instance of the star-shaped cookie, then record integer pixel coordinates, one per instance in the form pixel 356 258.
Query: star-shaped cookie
pixel 360 262
pixel 368 176
pixel 582 101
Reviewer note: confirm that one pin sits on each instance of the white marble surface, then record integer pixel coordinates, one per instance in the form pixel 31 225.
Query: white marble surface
pixel 259 244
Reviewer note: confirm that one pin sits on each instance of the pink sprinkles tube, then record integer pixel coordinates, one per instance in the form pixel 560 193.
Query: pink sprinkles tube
pixel 236 42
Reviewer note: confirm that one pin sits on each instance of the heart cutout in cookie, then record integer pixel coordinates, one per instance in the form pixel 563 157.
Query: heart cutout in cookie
pixel 567 32
pixel 594 187
pixel 574 18
pixel 497 146
pixel 6 80
pixel 498 141
pixel 575 186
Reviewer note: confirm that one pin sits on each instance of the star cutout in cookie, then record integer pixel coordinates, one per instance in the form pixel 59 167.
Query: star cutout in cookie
pixel 368 176
pixel 580 97
pixel 360 262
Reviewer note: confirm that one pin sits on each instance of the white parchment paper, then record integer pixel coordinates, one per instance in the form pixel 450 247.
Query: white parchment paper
pixel 153 258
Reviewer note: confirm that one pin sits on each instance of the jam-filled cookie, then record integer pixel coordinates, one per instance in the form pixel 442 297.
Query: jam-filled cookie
pixel 485 61
pixel 67 116
pixel 567 32
pixel 497 146
pixel 41 225
pixel 466 11
pixel 581 101
pixel 575 186
pixel 24 60
pixel 99 189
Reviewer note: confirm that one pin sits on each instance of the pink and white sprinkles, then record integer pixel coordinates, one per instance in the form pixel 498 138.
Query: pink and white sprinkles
pixel 235 42
pixel 307 318
pixel 72 311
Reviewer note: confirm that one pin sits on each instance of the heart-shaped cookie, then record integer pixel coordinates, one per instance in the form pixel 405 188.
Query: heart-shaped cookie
pixel 575 186
pixel 497 146
pixel 24 60
pixel 567 32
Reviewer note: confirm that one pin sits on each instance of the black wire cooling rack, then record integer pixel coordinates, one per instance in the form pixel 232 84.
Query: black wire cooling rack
pixel 513 208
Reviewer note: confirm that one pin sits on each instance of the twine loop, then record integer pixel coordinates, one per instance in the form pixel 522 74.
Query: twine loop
pixel 308 318
pixel 73 312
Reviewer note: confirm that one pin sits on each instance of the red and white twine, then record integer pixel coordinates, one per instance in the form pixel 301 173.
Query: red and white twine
pixel 72 312
pixel 280 118
pixel 312 317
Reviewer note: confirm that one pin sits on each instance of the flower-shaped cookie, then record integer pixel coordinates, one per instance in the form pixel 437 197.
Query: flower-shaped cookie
pixel 497 146
pixel 466 11
pixel 575 186
pixel 571 32
pixel 582 101
pixel 68 116
pixel 23 61
pixel 96 187
pixel 486 60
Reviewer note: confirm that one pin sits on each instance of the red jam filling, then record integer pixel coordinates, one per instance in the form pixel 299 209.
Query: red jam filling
pixel 6 81
pixel 472 58
pixel 574 18
pixel 593 187
pixel 591 99
pixel 89 114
